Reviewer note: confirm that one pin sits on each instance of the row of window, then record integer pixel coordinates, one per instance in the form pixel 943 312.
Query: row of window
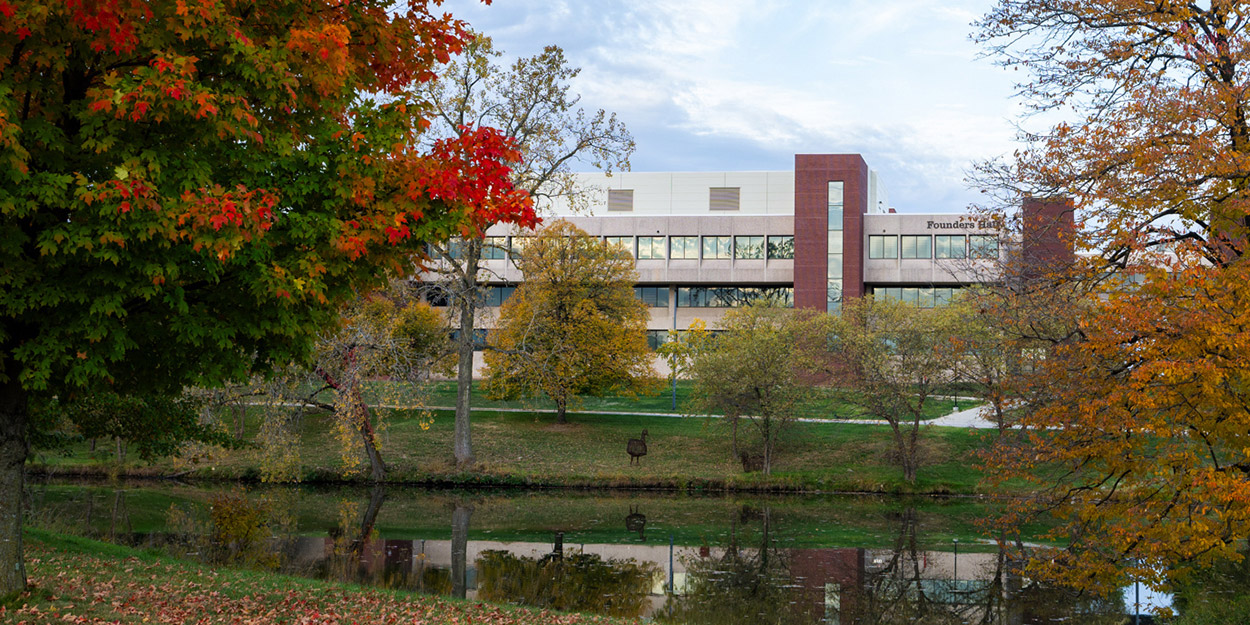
pixel 977 246
pixel 742 247
pixel 716 296
pixel 922 296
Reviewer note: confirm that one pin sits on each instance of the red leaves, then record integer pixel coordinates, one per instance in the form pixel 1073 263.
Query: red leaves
pixel 6 9
pixel 473 170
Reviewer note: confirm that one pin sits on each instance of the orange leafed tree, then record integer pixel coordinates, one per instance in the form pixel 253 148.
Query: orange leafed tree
pixel 1136 419
pixel 190 190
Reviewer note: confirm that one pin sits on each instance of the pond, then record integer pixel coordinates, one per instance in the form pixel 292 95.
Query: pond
pixel 672 558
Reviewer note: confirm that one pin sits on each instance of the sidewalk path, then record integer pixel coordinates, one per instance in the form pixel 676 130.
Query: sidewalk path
pixel 970 418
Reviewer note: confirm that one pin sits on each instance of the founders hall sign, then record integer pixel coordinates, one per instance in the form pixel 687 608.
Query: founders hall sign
pixel 958 225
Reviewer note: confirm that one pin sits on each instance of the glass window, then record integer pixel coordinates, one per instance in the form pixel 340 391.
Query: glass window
pixel 656 338
pixel 731 296
pixel 835 242
pixel 780 247
pixel 942 296
pixel 653 296
pixel 983 246
pixel 518 245
pixel 926 297
pixel 882 246
pixel 494 248
pixel 949 246
pixel 835 267
pixel 625 242
pixel 916 246
pixel 684 247
pixel 717 247
pixel 650 247
pixel 910 294
pixel 749 247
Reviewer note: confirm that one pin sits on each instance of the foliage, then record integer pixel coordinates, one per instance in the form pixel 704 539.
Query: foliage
pixel 890 354
pixel 530 101
pixel 582 582
pixel 1135 421
pixel 758 369
pixel 574 326
pixel 155 426
pixel 205 185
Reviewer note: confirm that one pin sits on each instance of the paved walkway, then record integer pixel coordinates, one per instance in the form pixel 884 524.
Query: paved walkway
pixel 970 418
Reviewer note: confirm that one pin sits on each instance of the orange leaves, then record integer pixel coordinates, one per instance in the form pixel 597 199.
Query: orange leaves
pixel 326 47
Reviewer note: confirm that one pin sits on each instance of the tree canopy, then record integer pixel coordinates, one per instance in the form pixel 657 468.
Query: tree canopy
pixel 574 326
pixel 1136 417
pixel 190 190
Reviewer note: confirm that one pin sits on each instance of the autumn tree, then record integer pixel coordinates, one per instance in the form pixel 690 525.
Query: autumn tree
pixel 758 370
pixel 190 192
pixel 574 326
pixel 679 352
pixel 1138 412
pixel 532 101
pixel 890 357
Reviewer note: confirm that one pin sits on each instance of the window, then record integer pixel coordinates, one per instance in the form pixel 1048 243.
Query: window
pixel 723 198
pixel 916 246
pixel 656 338
pixel 683 247
pixel 835 205
pixel 495 296
pixel 650 247
pixel 620 199
pixel 625 242
pixel 949 246
pixel 494 248
pixel 518 245
pixel 983 246
pixel 748 247
pixel 717 247
pixel 479 338
pixel 780 247
pixel 833 279
pixel 882 246
pixel 924 297
pixel 730 297
pixel 653 296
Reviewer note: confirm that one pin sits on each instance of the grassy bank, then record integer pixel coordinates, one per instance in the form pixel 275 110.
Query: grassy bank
pixel 77 580
pixel 529 449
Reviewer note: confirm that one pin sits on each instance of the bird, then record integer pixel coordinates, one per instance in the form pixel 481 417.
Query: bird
pixel 637 448
pixel 636 522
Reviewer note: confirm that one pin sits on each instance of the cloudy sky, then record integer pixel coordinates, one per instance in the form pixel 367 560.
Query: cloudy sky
pixel 743 85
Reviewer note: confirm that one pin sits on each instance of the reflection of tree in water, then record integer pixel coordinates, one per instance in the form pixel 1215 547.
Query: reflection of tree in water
pixel 896 589
pixel 575 581
pixel 744 584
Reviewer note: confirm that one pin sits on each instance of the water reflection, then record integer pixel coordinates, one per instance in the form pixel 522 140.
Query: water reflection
pixel 842 560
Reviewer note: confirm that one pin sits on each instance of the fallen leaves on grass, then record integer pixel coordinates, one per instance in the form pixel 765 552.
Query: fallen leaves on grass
pixel 82 588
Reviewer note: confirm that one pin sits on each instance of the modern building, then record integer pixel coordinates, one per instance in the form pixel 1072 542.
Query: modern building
pixel 705 242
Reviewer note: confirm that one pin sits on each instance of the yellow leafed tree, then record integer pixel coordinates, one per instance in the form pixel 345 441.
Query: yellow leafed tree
pixel 574 326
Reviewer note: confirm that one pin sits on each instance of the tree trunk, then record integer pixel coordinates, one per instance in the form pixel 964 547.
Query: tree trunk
pixel 376 466
pixel 462 443
pixel 460 550
pixel 562 406
pixel 13 451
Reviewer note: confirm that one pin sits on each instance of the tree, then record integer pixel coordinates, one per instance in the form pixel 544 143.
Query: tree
pixel 890 357
pixel 530 101
pixel 1135 421
pixel 679 351
pixel 758 369
pixel 189 193
pixel 379 337
pixel 574 326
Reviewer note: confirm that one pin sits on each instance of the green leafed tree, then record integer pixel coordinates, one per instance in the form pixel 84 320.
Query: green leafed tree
pixel 190 192
pixel 893 357
pixel 533 102
pixel 574 327
pixel 759 370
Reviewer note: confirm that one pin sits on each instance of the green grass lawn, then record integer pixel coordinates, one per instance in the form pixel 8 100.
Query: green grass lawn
pixel 827 406
pixel 75 580
pixel 530 449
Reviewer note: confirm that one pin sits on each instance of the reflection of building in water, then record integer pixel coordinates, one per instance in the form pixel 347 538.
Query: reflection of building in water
pixel 834 580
